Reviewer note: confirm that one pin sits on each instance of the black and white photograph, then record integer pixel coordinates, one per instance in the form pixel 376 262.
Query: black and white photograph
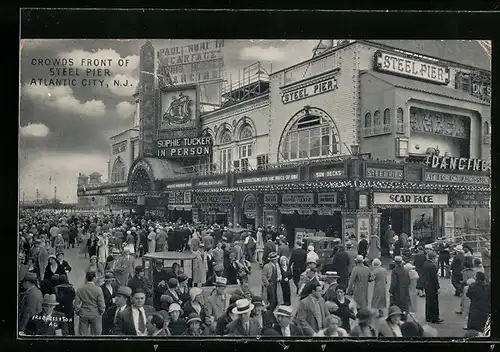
pixel 191 188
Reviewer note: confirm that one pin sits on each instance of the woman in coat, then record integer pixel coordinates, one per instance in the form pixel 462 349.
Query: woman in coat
pixel 480 303
pixel 379 298
pixel 373 247
pixel 199 272
pixel 413 286
pixel 286 275
pixel 343 308
pixel 52 268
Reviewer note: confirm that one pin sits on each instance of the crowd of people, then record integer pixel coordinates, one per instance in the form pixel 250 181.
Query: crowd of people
pixel 118 299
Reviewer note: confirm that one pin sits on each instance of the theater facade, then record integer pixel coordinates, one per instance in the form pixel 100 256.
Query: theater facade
pixel 358 137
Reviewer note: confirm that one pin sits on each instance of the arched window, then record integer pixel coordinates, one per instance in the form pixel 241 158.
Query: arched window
pixel 226 137
pixel 377 122
pixel 400 121
pixel 119 171
pixel 387 117
pixel 368 120
pixel 246 132
pixel 310 137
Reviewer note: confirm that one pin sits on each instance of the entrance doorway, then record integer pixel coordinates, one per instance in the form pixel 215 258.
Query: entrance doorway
pixel 331 225
pixel 249 210
pixel 400 220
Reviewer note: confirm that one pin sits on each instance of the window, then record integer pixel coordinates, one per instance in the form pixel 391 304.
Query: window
pixel 387 120
pixel 401 147
pixel 246 132
pixel 225 159
pixel 486 128
pixel 309 137
pixel 400 123
pixel 226 137
pixel 245 151
pixel 119 171
pixel 377 122
pixel 368 120
pixel 486 133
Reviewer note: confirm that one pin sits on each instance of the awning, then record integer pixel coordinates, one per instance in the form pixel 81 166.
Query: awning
pixel 425 87
pixel 180 207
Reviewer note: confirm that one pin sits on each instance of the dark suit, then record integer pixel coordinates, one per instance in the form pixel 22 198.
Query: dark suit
pixel 141 282
pixel 275 330
pixel 231 274
pixel 235 328
pixel 124 322
pixel 431 291
pixel 363 247
pixel 188 309
pixel 341 263
pixel 65 295
pixel 298 264
pixel 108 296
pixel 37 325
pixel 269 247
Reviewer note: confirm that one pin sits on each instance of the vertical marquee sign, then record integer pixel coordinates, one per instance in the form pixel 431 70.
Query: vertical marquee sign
pixel 147 100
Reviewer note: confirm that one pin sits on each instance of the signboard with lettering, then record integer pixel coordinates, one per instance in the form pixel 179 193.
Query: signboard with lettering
pixel 290 96
pixel 409 67
pixel 297 198
pixel 178 185
pixel 477 84
pixel 449 224
pixel 428 121
pixel 119 147
pixel 184 147
pixel 374 172
pixel 451 163
pixel 130 200
pixel 270 198
pixel 115 190
pixel 409 199
pixel 266 179
pixel 192 63
pixel 363 227
pixel 211 183
pixel 92 192
pixel 454 178
pixel 224 199
pixel 471 200
pixel 339 173
pixel 328 198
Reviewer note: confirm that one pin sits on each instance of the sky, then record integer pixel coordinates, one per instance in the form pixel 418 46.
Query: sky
pixel 65 130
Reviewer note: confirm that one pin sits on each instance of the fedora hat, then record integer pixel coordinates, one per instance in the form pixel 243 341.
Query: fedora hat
pixel 124 291
pixel 31 277
pixel 359 259
pixel 258 301
pixel 50 300
pixel 109 276
pixel 243 306
pixel 272 256
pixel 220 282
pixel 331 274
pixel 398 259
pixel 285 311
pixel 193 317
pixel 394 310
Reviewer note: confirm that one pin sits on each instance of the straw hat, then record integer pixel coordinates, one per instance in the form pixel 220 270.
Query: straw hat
pixel 359 259
pixel 243 306
pixel 398 259
pixel 331 274
pixel 220 281
pixel 285 311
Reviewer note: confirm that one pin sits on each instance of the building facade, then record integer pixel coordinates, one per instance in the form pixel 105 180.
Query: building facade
pixel 361 136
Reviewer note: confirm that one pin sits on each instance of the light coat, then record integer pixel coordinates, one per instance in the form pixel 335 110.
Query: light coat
pixel 124 269
pixel 235 328
pixel 89 301
pixel 379 298
pixel 373 248
pixel 216 306
pixel 358 285
pixel 306 317
pixel 30 304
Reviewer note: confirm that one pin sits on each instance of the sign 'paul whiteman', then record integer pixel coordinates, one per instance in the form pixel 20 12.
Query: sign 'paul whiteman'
pixel 184 147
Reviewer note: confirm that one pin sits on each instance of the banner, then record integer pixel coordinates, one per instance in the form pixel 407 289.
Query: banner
pixel 409 199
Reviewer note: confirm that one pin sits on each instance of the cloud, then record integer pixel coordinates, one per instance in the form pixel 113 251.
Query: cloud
pixel 104 58
pixel 62 99
pixel 62 168
pixel 259 53
pixel 125 109
pixel 126 85
pixel 34 130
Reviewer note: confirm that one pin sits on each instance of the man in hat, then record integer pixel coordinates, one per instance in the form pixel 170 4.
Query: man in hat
pixel 330 286
pixel 269 247
pixel 183 288
pixel 260 313
pixel 140 281
pixel 109 288
pixel 244 325
pixel 89 306
pixel 124 267
pixel 456 267
pixel 352 253
pixel 244 290
pixel 48 322
pixel 431 289
pixel 341 264
pixel 31 301
pixel 419 260
pixel 358 283
pixel 298 261
pixel 120 302
pixel 160 279
pixel 312 310
pixel 218 302
pixel 161 239
pixel 232 270
pixel 400 285
pixel 111 262
pixel 309 274
pixel 283 325
pixel 218 273
pixel 283 249
pixel 363 246
pixel 271 277
pixel 132 320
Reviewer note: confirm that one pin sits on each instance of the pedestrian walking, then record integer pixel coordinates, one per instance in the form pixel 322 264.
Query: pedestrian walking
pixel 413 307
pixel 374 250
pixel 358 283
pixel 400 285
pixel 479 293
pixel 431 289
pixel 341 263
pixel 312 310
pixel 379 297
pixel 271 276
pixel 298 259
pixel 89 306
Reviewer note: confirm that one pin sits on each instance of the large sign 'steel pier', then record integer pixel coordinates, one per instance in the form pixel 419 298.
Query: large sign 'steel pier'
pixel 184 147
pixel 308 91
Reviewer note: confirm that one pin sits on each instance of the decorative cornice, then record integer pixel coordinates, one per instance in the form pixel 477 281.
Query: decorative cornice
pixel 224 114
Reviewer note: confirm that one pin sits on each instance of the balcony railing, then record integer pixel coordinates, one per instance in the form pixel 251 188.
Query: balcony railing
pixel 376 130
